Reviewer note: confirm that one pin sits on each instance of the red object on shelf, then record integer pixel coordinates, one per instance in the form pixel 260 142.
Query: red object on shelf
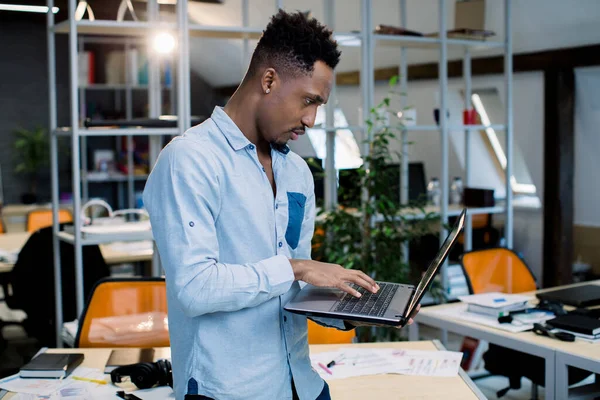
pixel 91 68
pixel 470 117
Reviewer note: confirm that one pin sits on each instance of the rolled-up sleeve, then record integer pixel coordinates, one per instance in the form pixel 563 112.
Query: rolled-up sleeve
pixel 182 197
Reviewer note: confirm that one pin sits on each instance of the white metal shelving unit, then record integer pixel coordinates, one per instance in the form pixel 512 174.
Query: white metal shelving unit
pixel 112 29
pixel 183 30
pixel 442 43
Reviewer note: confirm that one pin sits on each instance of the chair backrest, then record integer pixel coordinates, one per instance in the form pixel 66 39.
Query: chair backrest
pixel 38 219
pixel 2 228
pixel 497 270
pixel 125 312
pixel 318 334
pixel 32 282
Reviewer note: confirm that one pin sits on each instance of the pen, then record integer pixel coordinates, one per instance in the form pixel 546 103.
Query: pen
pixel 98 381
pixel 325 368
pixel 333 362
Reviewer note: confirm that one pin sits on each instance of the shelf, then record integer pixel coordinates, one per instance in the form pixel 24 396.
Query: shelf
pixel 114 28
pixel 106 86
pixel 224 32
pixel 117 132
pixel 100 239
pixel 348 39
pixel 497 127
pixel 453 211
pixel 114 178
pixel 421 42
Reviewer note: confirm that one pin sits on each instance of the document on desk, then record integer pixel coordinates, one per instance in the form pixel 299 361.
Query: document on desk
pixel 83 383
pixel 350 362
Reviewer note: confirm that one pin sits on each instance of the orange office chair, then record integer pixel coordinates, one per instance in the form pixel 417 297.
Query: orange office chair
pixel 318 334
pixel 2 228
pixel 38 219
pixel 125 312
pixel 497 270
pixel 502 270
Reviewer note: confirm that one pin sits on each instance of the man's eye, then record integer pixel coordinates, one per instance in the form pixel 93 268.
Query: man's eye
pixel 308 101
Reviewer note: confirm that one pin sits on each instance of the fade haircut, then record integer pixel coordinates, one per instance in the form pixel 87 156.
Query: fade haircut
pixel 292 43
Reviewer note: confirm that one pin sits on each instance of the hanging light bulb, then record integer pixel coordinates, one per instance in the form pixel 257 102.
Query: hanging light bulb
pixel 164 43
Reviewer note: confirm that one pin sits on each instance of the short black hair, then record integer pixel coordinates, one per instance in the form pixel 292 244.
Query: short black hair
pixel 292 43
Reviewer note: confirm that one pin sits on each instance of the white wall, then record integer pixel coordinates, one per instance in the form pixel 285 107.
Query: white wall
pixel 587 146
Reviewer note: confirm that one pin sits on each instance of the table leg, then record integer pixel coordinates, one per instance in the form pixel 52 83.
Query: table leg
pixel 413 331
pixel 444 337
pixel 554 378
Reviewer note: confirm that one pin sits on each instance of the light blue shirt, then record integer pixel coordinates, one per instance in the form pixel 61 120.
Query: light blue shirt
pixel 225 242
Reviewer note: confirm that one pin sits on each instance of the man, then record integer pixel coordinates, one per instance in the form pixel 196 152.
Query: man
pixel 232 213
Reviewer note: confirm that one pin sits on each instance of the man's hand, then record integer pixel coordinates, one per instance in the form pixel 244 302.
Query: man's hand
pixel 332 275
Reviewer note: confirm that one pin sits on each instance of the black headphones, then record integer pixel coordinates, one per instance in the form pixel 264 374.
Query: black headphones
pixel 145 375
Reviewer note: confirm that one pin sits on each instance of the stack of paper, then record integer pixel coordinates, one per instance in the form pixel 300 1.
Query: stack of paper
pixel 349 362
pixel 495 304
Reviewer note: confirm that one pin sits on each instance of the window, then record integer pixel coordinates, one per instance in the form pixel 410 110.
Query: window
pixel 347 152
pixel 489 106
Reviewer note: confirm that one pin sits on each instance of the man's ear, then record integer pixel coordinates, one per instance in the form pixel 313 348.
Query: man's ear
pixel 269 81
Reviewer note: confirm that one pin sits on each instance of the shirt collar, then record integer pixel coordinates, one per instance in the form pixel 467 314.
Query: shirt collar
pixel 234 135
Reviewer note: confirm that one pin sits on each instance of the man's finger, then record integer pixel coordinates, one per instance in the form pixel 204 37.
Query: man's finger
pixel 360 281
pixel 368 279
pixel 348 289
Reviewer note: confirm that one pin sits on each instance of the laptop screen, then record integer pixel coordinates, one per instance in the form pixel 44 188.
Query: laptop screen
pixel 437 262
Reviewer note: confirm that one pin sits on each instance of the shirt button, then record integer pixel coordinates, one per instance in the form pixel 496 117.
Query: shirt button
pixel 280 244
pixel 284 318
pixel 264 170
pixel 276 206
pixel 251 147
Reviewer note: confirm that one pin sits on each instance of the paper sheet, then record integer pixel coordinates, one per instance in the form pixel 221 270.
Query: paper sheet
pixel 70 387
pixel 42 387
pixel 350 362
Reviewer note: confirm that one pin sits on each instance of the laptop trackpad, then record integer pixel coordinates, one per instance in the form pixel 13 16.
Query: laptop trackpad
pixel 317 298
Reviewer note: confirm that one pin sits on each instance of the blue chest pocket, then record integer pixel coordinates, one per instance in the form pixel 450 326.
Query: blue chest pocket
pixel 296 203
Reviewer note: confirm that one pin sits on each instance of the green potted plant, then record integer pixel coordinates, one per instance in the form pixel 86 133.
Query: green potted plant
pixel 371 237
pixel 32 152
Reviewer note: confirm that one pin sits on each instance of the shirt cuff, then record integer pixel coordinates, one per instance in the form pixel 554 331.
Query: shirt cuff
pixel 279 272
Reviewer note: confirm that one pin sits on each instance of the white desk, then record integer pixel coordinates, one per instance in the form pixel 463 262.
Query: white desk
pixel 579 354
pixel 527 342
pixel 379 387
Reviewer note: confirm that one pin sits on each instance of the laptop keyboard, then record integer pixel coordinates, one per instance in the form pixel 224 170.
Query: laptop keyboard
pixel 369 304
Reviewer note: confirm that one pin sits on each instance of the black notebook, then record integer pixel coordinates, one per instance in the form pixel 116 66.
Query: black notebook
pixel 576 323
pixel 51 365
pixel 121 357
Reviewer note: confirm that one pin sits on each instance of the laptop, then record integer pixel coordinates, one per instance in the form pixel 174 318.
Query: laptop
pixel 577 296
pixel 392 305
